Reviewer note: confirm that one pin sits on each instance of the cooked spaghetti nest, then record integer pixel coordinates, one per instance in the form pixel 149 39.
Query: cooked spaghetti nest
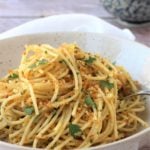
pixel 66 98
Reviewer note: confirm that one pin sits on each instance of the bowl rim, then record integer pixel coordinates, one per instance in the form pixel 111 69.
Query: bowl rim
pixel 127 139
pixel 107 35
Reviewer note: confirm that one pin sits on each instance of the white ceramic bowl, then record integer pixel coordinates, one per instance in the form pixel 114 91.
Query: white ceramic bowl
pixel 130 54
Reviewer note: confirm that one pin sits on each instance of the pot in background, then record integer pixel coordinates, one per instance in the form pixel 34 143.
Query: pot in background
pixel 133 11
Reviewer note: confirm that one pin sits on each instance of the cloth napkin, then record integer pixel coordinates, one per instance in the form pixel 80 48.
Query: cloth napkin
pixel 68 23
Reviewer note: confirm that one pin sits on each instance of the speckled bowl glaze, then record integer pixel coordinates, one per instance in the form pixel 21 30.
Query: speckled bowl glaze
pixel 124 52
pixel 133 11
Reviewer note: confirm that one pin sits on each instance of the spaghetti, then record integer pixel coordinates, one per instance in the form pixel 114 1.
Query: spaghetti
pixel 65 98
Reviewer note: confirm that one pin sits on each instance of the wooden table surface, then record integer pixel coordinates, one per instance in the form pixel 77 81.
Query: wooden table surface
pixel 16 12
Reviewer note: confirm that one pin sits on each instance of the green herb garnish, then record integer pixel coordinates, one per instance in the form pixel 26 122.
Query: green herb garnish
pixel 54 112
pixel 62 61
pixel 90 60
pixel 38 62
pixel 42 62
pixel 28 110
pixel 32 66
pixel 109 67
pixel 89 102
pixel 13 76
pixel 74 130
pixel 22 92
pixel 106 84
pixel 114 63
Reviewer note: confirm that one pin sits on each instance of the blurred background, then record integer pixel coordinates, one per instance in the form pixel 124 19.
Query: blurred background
pixel 16 12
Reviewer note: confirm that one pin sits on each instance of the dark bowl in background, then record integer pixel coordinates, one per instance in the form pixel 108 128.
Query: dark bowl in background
pixel 133 11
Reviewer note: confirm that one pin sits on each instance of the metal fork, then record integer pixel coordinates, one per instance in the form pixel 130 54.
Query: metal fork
pixel 141 92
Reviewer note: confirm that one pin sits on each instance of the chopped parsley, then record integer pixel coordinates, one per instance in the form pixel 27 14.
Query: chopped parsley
pixel 28 110
pixel 42 62
pixel 109 67
pixel 54 112
pixel 38 62
pixel 89 102
pixel 74 130
pixel 62 61
pixel 114 63
pixel 90 60
pixel 22 92
pixel 106 84
pixel 13 76
pixel 32 66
